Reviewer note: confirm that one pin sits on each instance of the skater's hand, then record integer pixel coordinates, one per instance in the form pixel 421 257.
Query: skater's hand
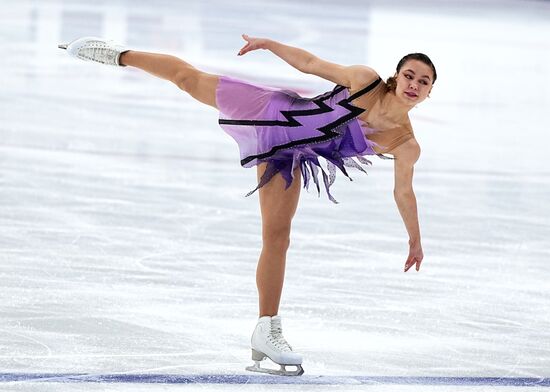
pixel 415 256
pixel 252 44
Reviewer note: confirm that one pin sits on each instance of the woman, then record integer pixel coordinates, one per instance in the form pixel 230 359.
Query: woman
pixel 284 134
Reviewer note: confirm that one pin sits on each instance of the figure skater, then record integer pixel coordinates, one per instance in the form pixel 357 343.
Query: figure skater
pixel 284 135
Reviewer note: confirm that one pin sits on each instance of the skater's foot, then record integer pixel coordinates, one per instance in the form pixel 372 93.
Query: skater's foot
pixel 95 49
pixel 268 342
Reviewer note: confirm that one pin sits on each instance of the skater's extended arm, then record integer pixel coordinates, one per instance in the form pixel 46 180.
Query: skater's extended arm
pixel 306 62
pixel 405 157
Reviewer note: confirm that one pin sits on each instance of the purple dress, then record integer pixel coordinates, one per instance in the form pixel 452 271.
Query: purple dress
pixel 288 131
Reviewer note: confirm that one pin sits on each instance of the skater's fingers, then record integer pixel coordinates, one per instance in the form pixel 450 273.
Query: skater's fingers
pixel 244 49
pixel 249 40
pixel 418 262
pixel 409 263
pixel 407 266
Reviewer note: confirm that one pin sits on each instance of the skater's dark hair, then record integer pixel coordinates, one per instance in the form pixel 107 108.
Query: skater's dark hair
pixel 391 82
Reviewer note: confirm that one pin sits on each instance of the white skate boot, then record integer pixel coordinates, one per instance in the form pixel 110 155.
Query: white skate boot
pixel 268 342
pixel 95 49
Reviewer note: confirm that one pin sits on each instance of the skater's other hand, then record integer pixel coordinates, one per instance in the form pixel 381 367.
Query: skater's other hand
pixel 252 44
pixel 415 257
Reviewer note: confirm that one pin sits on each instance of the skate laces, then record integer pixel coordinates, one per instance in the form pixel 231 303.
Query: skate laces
pixel 101 53
pixel 276 337
pixel 98 51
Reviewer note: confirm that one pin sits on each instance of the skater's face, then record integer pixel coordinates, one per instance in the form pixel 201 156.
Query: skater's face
pixel 414 82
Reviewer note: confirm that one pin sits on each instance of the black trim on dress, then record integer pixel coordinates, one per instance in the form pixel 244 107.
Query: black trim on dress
pixel 327 130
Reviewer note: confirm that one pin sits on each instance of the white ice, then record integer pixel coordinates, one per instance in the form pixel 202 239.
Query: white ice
pixel 126 245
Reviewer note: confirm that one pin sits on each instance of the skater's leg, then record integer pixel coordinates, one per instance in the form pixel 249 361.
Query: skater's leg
pixel 200 85
pixel 278 207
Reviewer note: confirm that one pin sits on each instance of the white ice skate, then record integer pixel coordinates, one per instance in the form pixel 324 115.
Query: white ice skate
pixel 268 342
pixel 95 49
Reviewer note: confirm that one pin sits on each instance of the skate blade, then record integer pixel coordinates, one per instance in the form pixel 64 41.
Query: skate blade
pixel 280 372
pixel 63 46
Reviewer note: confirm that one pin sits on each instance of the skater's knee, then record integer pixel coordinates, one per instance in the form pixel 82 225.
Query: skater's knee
pixel 277 238
pixel 199 85
pixel 186 77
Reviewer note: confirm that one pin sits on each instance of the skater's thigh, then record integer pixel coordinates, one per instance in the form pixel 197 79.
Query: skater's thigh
pixel 277 204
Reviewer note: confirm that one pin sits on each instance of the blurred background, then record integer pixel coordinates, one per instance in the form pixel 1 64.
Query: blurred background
pixel 126 244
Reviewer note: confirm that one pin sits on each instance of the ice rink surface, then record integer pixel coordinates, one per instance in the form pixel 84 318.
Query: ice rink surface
pixel 128 252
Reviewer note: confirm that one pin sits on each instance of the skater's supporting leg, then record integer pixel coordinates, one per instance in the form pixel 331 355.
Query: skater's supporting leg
pixel 200 85
pixel 278 207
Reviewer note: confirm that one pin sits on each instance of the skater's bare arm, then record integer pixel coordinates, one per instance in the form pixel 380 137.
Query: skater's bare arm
pixel 405 157
pixel 306 62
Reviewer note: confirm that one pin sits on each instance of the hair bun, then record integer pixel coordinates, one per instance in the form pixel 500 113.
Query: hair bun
pixel 391 84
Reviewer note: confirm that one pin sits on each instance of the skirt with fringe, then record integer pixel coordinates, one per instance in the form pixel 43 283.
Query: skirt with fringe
pixel 288 131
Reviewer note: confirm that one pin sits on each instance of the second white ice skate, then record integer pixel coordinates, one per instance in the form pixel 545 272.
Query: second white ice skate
pixel 268 342
pixel 95 49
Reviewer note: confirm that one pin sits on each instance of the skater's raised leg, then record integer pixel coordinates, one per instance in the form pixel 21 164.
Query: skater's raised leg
pixel 200 85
